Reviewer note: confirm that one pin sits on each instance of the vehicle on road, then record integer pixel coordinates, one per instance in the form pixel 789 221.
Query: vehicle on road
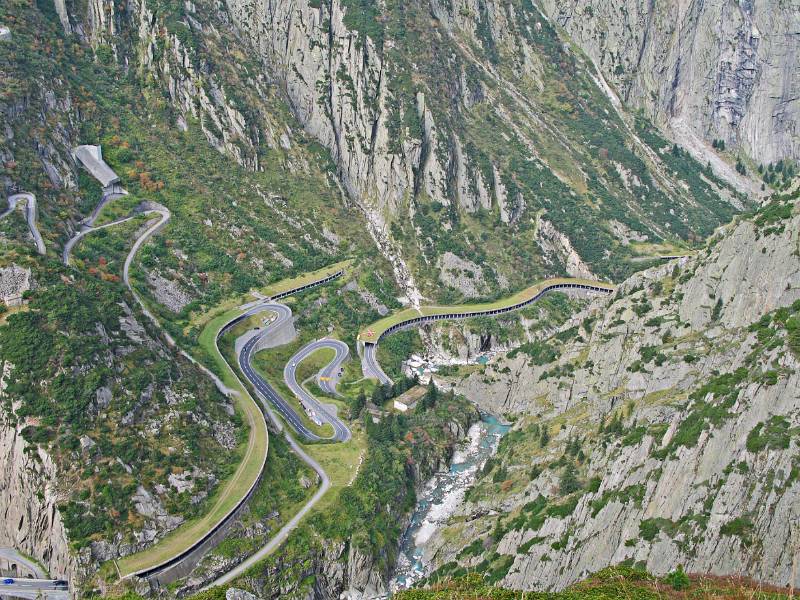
pixel 61 584
pixel 8 581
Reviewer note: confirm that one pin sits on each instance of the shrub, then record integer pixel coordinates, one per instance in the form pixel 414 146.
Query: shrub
pixel 773 434
pixel 678 579
pixel 741 527
pixel 569 480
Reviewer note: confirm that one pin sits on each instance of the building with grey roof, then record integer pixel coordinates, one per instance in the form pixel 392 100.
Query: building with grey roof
pixel 91 157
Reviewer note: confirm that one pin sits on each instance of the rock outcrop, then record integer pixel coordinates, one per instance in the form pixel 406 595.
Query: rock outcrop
pixel 726 69
pixel 33 526
pixel 676 403
pixel 14 282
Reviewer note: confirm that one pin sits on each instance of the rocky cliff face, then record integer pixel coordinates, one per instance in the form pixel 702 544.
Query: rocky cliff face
pixel 453 150
pixel 708 70
pixel 34 526
pixel 408 126
pixel 671 416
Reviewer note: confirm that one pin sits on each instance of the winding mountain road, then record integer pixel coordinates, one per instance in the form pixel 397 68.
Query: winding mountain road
pixel 328 377
pixel 251 342
pixel 71 242
pixel 340 431
pixel 31 214
pixel 283 533
pixel 88 222
pixel 256 339
pixel 368 338
pixel 370 366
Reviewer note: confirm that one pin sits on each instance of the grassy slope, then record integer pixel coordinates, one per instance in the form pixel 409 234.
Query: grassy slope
pixel 270 367
pixel 610 584
pixel 314 363
pixel 232 490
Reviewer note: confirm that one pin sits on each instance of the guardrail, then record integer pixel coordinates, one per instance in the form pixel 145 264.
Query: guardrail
pixel 230 324
pixel 488 312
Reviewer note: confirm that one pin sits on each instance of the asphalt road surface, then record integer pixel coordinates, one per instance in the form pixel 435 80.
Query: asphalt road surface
pixel 109 194
pixel 370 366
pixel 87 224
pixel 30 216
pixel 34 588
pixel 65 255
pixel 328 377
pixel 340 431
pixel 280 537
pixel 267 392
pixel 11 556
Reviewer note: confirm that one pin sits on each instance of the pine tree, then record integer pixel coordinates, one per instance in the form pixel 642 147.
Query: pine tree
pixel 430 397
pixel 544 438
pixel 569 480
pixel 377 396
pixel 358 405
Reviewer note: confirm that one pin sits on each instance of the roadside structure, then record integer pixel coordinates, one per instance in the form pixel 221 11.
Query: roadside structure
pixel 408 400
pixel 91 157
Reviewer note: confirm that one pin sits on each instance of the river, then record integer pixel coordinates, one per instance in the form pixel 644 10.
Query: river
pixel 442 494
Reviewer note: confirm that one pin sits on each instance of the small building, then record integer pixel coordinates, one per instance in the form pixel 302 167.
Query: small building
pixel 91 157
pixel 5 33
pixel 375 413
pixel 408 400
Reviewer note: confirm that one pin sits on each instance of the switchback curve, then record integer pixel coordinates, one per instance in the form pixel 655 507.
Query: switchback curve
pixel 31 214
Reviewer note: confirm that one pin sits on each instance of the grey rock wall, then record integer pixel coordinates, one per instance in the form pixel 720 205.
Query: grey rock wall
pixel 725 69
pixel 29 500
pixel 696 313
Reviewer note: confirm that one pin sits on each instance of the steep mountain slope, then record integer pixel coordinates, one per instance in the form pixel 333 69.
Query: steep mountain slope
pixel 474 143
pixel 719 70
pixel 664 433
pixel 112 439
pixel 473 134
pixel 480 160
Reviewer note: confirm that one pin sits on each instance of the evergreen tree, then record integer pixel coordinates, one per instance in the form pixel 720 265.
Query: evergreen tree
pixel 430 397
pixel 358 405
pixel 569 480
pixel 614 427
pixel 377 396
pixel 544 438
